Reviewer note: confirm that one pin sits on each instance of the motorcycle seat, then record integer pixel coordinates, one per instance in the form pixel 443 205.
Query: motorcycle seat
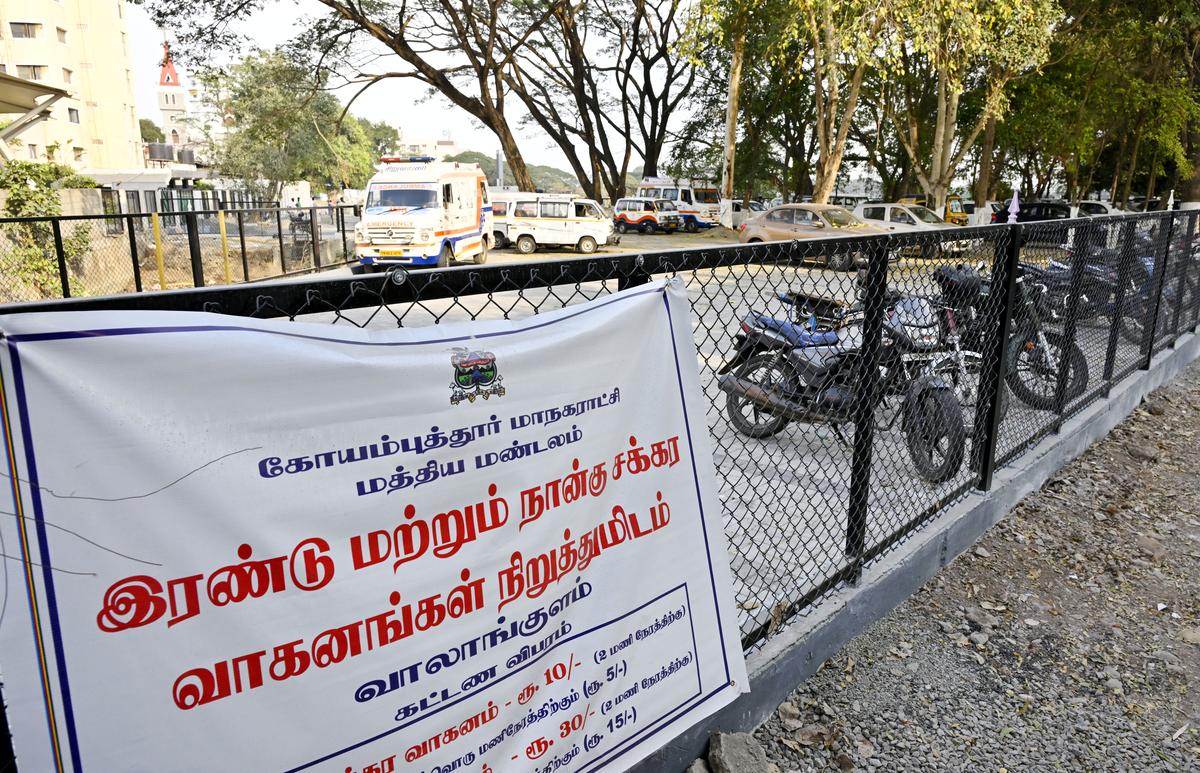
pixel 798 335
pixel 961 285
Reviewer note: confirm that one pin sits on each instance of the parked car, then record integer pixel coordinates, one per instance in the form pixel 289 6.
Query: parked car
pixel 809 221
pixel 646 215
pixel 983 212
pixel 742 214
pixel 531 220
pixel 1093 208
pixel 1033 211
pixel 912 218
pixel 954 212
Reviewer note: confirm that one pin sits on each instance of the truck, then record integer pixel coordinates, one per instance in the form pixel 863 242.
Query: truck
pixel 423 212
pixel 697 200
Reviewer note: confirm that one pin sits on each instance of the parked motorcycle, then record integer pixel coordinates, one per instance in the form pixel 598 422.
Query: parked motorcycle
pixel 805 371
pixel 1033 355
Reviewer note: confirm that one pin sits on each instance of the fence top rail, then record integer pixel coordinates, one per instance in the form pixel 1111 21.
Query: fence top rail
pixel 964 231
pixel 269 298
pixel 274 297
pixel 170 213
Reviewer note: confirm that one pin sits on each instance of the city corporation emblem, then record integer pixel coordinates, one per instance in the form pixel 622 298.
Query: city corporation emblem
pixel 475 375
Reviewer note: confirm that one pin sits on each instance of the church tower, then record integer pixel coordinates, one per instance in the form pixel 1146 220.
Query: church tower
pixel 172 101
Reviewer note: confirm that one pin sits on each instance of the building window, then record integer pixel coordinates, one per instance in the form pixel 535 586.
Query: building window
pixel 174 137
pixel 78 153
pixel 62 35
pixel 23 29
pixel 33 152
pixel 72 115
pixel 3 68
pixel 31 72
pixel 67 75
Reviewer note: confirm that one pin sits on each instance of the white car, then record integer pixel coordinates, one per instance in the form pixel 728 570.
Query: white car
pixel 912 218
pixel 531 220
pixel 1093 208
pixel 741 215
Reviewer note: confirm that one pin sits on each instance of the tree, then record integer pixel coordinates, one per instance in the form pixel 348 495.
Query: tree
pixel 955 40
pixel 382 137
pixel 840 38
pixel 32 189
pixel 285 128
pixel 150 131
pixel 454 48
pixel 603 81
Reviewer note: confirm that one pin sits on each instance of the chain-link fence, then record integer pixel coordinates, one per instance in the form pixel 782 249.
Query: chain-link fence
pixel 855 387
pixel 85 255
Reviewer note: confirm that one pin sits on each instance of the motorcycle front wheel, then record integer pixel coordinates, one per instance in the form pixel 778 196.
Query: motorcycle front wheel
pixel 935 435
pixel 1033 369
pixel 1136 315
pixel 767 371
pixel 964 380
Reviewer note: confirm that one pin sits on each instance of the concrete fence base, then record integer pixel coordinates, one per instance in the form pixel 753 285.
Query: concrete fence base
pixel 795 652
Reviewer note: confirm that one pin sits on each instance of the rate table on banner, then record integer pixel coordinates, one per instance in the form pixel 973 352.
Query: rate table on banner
pixel 244 544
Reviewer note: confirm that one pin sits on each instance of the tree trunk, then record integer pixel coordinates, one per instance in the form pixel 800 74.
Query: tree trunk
pixel 1112 192
pixel 1133 154
pixel 986 151
pixel 731 115
pixel 1191 189
pixel 1152 183
pixel 512 154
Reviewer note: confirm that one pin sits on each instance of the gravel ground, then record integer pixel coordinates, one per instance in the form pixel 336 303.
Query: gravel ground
pixel 1068 638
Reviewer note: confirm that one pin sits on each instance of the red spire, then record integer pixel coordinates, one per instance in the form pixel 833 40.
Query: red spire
pixel 167 75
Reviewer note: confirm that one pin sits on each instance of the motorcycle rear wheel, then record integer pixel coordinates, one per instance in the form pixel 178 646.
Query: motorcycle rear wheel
pixel 936 436
pixel 767 371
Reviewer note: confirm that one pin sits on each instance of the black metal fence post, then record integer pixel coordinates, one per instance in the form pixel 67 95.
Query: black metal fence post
pixel 341 226
pixel 241 224
pixel 1183 261
pixel 1070 325
pixel 633 273
pixel 1158 283
pixel 1194 262
pixel 279 230
pixel 61 254
pixel 315 231
pixel 865 393
pixel 133 254
pixel 1006 261
pixel 1125 261
pixel 193 237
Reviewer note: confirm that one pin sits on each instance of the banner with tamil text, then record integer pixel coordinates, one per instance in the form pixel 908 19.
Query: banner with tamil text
pixel 238 544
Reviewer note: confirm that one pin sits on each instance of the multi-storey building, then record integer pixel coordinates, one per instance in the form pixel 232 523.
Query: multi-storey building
pixel 80 46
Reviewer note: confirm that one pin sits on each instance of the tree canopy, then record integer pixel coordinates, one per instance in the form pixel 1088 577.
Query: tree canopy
pixel 1075 97
pixel 287 127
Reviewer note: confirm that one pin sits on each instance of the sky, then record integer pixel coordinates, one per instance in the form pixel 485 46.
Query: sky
pixel 400 102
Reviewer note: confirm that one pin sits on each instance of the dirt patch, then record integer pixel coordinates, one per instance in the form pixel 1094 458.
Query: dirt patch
pixel 1068 638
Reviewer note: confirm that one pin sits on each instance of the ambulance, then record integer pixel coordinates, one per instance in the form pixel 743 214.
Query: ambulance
pixel 422 212
pixel 698 201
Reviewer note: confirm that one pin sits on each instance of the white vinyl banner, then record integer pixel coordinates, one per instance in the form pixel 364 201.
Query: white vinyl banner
pixel 238 544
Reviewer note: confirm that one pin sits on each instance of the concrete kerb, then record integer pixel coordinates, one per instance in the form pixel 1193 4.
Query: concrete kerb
pixel 797 651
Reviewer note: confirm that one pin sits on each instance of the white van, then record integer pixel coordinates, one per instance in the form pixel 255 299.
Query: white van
pixel 531 220
pixel 422 212
pixel 697 200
